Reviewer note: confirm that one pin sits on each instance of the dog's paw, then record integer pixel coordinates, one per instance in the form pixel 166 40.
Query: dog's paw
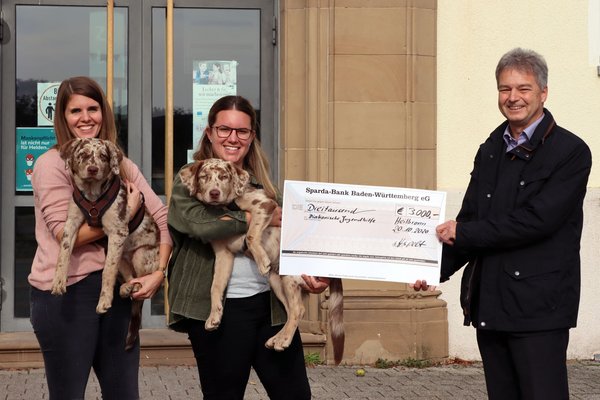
pixel 59 286
pixel 264 267
pixel 211 325
pixel 125 290
pixel 213 321
pixel 103 306
pixel 279 342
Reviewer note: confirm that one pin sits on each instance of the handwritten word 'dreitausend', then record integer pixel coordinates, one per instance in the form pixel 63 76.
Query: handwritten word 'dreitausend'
pixel 336 210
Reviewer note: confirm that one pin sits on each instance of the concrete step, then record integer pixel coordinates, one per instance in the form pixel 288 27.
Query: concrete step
pixel 20 350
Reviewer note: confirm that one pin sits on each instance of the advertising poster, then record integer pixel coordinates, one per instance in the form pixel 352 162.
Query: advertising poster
pixel 211 80
pixel 361 232
pixel 46 100
pixel 31 143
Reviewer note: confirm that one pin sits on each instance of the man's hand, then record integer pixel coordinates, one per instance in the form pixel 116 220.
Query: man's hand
pixel 446 232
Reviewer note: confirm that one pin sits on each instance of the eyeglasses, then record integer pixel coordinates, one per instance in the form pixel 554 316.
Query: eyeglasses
pixel 224 131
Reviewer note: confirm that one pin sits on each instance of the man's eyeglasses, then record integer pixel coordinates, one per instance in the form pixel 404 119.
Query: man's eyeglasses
pixel 224 131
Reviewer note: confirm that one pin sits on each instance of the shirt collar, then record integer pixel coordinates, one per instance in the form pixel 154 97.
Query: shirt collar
pixel 524 136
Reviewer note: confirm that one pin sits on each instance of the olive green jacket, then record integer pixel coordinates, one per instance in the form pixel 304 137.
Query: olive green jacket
pixel 193 225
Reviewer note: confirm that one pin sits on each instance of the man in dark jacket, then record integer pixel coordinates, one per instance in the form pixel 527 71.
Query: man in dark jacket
pixel 519 231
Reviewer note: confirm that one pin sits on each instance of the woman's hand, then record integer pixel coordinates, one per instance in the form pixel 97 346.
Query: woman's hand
pixel 134 199
pixel 422 285
pixel 314 284
pixel 150 285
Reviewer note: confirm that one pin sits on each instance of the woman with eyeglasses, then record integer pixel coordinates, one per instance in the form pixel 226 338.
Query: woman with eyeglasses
pixel 252 313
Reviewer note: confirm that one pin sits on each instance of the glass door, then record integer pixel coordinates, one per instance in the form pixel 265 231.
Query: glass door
pixel 44 44
pixel 219 48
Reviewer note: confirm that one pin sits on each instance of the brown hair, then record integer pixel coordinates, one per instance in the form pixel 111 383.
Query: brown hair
pixel 255 161
pixel 87 87
pixel 84 86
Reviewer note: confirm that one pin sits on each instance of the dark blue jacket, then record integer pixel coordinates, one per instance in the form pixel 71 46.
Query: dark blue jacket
pixel 519 231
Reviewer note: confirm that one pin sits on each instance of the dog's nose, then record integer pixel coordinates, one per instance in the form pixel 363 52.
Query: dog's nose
pixel 92 170
pixel 214 194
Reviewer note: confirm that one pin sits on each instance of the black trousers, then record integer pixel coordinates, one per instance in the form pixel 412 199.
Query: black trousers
pixel 225 356
pixel 525 366
pixel 74 339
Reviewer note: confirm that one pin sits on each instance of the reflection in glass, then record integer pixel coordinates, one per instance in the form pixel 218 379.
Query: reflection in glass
pixel 54 43
pixel 47 52
pixel 223 39
pixel 157 303
pixel 25 246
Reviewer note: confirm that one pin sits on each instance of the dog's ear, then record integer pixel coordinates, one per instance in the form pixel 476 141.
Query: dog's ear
pixel 66 151
pixel 241 179
pixel 189 177
pixel 116 156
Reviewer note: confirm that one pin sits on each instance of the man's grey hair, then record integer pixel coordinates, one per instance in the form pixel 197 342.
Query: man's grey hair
pixel 524 60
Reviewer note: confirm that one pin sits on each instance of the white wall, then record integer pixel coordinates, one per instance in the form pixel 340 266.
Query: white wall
pixel 472 36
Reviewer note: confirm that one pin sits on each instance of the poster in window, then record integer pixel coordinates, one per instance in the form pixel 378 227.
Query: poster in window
pixel 212 80
pixel 31 143
pixel 46 100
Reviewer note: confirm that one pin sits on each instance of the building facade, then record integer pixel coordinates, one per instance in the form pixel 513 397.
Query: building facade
pixel 372 92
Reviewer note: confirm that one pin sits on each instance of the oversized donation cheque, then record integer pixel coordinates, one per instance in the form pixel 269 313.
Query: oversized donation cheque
pixel 361 232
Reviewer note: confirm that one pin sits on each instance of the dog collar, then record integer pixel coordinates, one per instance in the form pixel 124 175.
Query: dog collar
pixel 94 210
pixel 138 217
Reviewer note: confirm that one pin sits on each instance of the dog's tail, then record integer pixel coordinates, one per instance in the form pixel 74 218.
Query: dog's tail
pixel 336 318
pixel 134 323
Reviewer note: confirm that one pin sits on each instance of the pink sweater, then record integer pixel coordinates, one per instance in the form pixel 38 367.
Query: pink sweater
pixel 52 192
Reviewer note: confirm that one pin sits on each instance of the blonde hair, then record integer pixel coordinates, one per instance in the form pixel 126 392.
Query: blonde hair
pixel 255 160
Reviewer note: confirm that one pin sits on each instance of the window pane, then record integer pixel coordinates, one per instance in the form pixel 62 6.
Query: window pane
pixel 25 246
pixel 225 39
pixel 157 303
pixel 54 43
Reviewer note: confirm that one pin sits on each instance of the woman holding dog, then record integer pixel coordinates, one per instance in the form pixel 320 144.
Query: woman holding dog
pixel 252 312
pixel 72 337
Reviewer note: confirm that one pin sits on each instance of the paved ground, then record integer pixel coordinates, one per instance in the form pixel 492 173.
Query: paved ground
pixel 328 383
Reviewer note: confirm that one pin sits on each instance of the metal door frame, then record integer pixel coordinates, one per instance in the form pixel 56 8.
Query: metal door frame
pixel 139 114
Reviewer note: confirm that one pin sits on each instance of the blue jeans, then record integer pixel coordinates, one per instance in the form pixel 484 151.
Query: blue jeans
pixel 74 339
